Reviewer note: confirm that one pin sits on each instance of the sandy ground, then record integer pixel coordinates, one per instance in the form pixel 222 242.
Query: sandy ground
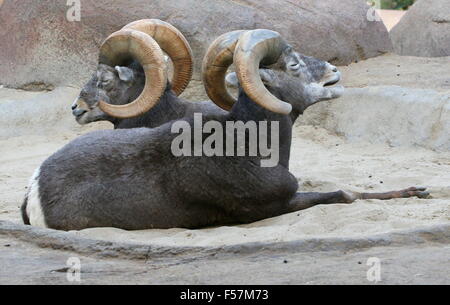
pixel 321 160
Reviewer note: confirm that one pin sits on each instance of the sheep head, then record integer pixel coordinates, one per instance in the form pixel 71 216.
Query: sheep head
pixel 269 71
pixel 132 72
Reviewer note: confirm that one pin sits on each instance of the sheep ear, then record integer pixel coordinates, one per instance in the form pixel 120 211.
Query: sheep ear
pixel 267 77
pixel 125 74
pixel 232 80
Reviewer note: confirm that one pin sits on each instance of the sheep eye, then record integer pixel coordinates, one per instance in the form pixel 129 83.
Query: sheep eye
pixel 294 66
pixel 103 83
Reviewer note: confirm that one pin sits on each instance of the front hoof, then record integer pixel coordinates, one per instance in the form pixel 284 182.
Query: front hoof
pixel 419 192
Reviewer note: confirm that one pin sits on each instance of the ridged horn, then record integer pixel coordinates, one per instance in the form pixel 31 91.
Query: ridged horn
pixel 254 48
pixel 215 65
pixel 171 41
pixel 118 48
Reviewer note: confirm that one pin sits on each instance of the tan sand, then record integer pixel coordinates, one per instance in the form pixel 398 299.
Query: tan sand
pixel 321 161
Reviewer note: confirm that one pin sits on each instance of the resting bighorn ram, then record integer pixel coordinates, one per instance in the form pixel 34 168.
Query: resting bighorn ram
pixel 119 80
pixel 129 178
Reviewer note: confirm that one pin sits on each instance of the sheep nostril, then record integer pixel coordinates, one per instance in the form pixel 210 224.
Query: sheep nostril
pixel 335 69
pixel 74 106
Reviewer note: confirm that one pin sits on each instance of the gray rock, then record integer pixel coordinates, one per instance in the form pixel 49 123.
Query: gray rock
pixel 37 112
pixel 40 46
pixel 424 30
pixel 388 114
pixel 68 241
pixel 399 100
pixel 419 263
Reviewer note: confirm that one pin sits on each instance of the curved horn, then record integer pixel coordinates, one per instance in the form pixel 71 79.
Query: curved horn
pixel 254 48
pixel 122 45
pixel 172 41
pixel 215 65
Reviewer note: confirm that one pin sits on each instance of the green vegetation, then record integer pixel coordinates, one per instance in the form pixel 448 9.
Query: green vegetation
pixel 392 4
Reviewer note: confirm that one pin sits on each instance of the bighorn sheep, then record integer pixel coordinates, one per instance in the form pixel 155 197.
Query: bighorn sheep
pixel 119 79
pixel 129 178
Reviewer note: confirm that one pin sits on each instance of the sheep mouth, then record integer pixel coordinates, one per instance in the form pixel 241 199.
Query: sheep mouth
pixel 81 118
pixel 334 79
pixel 330 83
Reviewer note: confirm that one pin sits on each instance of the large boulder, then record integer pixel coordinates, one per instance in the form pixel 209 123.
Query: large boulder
pixel 38 113
pixel 424 30
pixel 42 48
pixel 393 115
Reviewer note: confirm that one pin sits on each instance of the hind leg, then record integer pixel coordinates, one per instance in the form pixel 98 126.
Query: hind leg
pixel 302 201
pixel 419 192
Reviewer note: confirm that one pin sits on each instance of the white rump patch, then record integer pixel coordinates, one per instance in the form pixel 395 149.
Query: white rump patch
pixel 34 208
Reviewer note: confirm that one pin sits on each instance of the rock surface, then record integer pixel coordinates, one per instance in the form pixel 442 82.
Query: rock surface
pixel 424 30
pixel 36 112
pixel 40 113
pixel 391 99
pixel 24 263
pixel 390 114
pixel 43 48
